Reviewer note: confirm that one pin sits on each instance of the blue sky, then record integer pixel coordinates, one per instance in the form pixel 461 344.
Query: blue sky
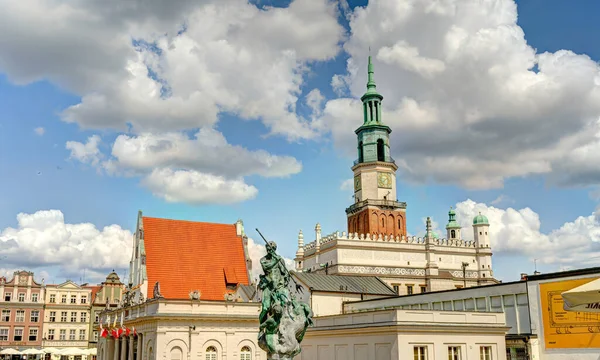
pixel 41 173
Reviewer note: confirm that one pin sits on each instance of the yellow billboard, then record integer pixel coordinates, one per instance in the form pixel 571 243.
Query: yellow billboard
pixel 567 329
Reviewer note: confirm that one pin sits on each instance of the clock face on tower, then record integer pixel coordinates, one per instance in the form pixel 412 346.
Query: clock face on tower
pixel 356 183
pixel 384 180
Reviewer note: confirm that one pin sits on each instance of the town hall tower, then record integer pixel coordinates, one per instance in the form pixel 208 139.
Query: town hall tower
pixel 376 209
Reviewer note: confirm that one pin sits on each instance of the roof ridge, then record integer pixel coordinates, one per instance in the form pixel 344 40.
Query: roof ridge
pixel 189 221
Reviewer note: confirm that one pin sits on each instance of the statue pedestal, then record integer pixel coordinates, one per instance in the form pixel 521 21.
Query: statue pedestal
pixel 278 357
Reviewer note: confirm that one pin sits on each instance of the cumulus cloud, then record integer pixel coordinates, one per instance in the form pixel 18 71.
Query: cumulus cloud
pixel 469 100
pixel 44 240
pixel 205 169
pixel 39 131
pixel 188 62
pixel 574 244
pixel 197 188
pixel 88 152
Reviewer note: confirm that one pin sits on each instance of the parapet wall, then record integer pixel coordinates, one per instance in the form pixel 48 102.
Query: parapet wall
pixel 398 239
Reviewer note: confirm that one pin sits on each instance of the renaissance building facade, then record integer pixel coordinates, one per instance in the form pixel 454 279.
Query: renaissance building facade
pixel 376 242
pixel 188 297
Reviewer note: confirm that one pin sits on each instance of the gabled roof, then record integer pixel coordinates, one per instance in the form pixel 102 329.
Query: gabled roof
pixel 185 256
pixel 345 284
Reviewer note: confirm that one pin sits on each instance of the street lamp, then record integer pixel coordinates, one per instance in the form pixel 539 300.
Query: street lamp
pixel 464 269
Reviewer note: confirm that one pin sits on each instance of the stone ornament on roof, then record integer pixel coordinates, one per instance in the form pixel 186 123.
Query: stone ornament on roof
pixel 195 295
pixel 283 319
pixel 156 291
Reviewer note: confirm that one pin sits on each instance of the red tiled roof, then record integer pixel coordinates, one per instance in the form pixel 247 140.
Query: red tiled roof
pixel 185 256
pixel 95 290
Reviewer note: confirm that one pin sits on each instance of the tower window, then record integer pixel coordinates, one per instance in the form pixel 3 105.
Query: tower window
pixel 376 111
pixel 399 224
pixel 360 152
pixel 371 110
pixel 453 233
pixel 480 233
pixel 380 151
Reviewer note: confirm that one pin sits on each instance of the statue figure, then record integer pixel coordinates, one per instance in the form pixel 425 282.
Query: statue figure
pixel 283 319
pixel 140 298
pixel 156 292
pixel 195 295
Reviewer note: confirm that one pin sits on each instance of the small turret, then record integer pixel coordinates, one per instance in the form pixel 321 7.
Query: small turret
pixel 480 230
pixel 452 228
pixel 300 251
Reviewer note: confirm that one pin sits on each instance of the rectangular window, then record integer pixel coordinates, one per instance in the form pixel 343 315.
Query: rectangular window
pixel 35 316
pixel 63 316
pixel 20 316
pixel 7 296
pixel 63 334
pixel 420 352
pixel 97 313
pixel 409 289
pixel 423 289
pixel 95 336
pixel 21 297
pixel 83 299
pixel 50 334
pixel 5 315
pixel 396 289
pixel 485 353
pixel 73 316
pixel 52 316
pixel 3 334
pixel 52 298
pixel 83 317
pixel 63 299
pixel 18 335
pixel 33 333
pixel 73 299
pixel 72 334
pixel 454 353
pixel 82 334
pixel 34 297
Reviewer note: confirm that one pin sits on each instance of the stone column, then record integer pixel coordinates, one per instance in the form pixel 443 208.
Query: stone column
pixel 130 355
pixel 123 348
pixel 139 347
pixel 116 350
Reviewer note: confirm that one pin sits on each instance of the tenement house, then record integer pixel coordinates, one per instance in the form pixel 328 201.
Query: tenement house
pixel 106 295
pixel 67 317
pixel 21 311
pixel 188 295
pixel 377 243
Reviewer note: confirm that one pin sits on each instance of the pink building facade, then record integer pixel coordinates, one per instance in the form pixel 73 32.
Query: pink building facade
pixel 21 311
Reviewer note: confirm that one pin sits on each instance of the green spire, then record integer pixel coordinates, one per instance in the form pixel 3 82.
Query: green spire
pixel 371 86
pixel 452 224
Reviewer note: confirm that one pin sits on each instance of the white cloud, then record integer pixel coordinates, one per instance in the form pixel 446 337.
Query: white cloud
pixel 188 63
pixel 197 188
pixel 347 185
pixel 88 153
pixel 200 170
pixel 39 131
pixel 470 102
pixel 575 244
pixel 43 239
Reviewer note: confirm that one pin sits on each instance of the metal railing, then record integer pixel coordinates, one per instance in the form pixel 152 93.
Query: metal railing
pixel 390 160
pixel 377 202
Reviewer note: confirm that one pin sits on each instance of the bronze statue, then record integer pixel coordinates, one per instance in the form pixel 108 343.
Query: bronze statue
pixel 283 319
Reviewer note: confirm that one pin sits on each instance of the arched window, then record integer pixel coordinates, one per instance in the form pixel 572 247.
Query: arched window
pixel 176 353
pixel 453 234
pixel 380 151
pixel 211 353
pixel 360 152
pixel 245 353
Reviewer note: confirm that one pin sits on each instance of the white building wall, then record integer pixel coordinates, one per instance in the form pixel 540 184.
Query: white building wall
pixel 353 336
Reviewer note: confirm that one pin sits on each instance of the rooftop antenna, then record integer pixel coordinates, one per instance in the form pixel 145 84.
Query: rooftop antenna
pixel 535 272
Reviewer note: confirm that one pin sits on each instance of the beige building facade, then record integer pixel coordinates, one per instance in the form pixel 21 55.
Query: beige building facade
pixel 184 329
pixel 67 316
pixel 406 334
